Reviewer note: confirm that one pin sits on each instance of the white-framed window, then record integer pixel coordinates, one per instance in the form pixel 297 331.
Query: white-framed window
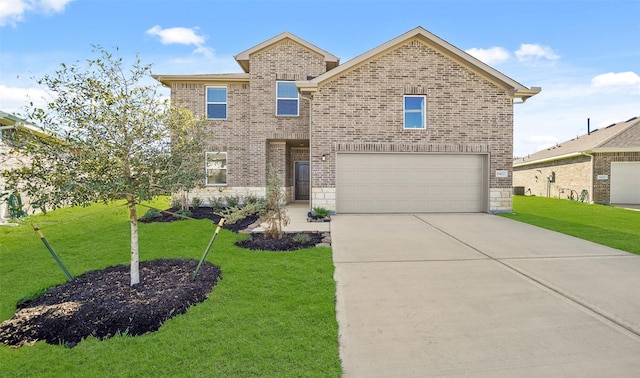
pixel 287 102
pixel 216 165
pixel 216 102
pixel 415 112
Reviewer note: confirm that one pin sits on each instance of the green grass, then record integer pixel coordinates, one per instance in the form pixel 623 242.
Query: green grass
pixel 607 225
pixel 271 315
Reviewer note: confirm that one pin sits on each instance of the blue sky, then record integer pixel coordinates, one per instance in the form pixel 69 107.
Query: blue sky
pixel 584 54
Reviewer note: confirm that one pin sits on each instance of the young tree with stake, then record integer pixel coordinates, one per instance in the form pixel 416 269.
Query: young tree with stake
pixel 116 139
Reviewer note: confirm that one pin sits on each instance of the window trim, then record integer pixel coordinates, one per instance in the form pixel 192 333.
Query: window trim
pixel 287 98
pixel 225 103
pixel 405 111
pixel 206 168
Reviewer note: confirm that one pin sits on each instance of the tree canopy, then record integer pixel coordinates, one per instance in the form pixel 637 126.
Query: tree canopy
pixel 112 137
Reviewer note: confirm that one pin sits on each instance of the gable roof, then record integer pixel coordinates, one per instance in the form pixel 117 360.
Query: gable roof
pixel 243 57
pixel 517 90
pixel 621 136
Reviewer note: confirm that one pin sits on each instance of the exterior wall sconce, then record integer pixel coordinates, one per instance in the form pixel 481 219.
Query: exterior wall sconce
pixel 324 157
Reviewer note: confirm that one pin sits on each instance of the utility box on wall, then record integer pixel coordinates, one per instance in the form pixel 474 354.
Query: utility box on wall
pixel 518 190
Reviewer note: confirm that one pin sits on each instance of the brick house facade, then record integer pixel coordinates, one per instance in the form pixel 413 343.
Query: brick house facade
pixel 605 163
pixel 394 116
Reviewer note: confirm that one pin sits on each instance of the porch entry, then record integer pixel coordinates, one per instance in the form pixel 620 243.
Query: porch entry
pixel 301 173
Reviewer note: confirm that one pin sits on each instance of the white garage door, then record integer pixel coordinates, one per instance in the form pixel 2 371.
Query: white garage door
pixel 625 182
pixel 410 183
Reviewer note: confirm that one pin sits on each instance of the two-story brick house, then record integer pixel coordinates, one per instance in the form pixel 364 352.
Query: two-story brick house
pixel 414 125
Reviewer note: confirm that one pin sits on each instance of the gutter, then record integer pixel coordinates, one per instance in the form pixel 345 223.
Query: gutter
pixel 592 175
pixel 310 98
pixel 525 94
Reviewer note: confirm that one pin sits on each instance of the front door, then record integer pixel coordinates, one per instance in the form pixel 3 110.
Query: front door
pixel 302 180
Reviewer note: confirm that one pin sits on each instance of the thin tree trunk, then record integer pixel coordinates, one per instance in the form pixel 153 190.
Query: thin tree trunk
pixel 133 219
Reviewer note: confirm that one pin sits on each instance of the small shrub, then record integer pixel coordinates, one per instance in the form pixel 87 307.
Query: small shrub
pixel 235 214
pixel 301 238
pixel 250 199
pixel 186 213
pixel 232 201
pixel 321 212
pixel 196 202
pixel 151 214
pixel 217 203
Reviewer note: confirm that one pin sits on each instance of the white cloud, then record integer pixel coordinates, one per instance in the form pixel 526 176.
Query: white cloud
pixel 491 55
pixel 12 11
pixel 182 36
pixel 617 80
pixel 14 99
pixel 532 53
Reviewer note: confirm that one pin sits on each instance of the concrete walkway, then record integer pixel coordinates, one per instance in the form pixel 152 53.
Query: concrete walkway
pixel 297 212
pixel 481 295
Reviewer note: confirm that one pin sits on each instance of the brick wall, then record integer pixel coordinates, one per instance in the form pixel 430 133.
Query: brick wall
pixel 572 174
pixel 286 60
pixel 363 109
pixel 251 121
pixel 602 166
pixel 571 177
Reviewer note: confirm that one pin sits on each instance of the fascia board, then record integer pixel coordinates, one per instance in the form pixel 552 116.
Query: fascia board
pixel 551 158
pixel 166 80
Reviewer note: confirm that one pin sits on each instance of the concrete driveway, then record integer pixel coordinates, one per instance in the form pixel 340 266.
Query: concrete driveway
pixel 481 295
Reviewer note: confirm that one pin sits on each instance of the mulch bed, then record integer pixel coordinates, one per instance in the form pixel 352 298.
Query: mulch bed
pixel 258 241
pixel 204 213
pixel 101 303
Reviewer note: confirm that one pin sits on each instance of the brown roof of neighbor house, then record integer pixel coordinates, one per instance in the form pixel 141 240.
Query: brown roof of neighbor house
pixel 517 90
pixel 621 136
pixel 243 58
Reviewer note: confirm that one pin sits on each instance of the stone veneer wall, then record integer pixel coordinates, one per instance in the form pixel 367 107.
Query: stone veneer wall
pixel 363 110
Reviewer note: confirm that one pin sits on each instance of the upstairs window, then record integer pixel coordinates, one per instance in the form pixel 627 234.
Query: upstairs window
pixel 415 112
pixel 216 102
pixel 216 164
pixel 286 98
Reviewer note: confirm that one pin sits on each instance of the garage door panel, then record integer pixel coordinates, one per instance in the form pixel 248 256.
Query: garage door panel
pixel 400 183
pixel 625 181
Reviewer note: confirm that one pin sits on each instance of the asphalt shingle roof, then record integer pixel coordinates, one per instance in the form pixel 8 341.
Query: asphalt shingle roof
pixel 621 135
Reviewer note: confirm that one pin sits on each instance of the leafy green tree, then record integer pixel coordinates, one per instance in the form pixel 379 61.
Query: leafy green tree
pixel 113 137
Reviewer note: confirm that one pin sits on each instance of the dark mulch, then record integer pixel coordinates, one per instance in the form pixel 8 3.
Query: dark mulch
pixel 258 241
pixel 204 213
pixel 102 303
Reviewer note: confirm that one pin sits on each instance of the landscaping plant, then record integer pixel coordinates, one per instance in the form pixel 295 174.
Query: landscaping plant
pixel 112 137
pixel 275 213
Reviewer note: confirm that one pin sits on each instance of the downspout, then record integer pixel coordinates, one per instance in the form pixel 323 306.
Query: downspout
pixel 310 98
pixel 591 193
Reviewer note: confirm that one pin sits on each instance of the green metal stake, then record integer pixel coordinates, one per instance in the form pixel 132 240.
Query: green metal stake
pixel 46 244
pixel 206 251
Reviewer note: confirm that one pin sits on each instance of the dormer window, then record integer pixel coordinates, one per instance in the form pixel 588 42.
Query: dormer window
pixel 286 99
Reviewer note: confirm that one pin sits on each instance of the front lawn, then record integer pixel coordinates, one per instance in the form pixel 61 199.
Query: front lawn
pixel 272 314
pixel 607 225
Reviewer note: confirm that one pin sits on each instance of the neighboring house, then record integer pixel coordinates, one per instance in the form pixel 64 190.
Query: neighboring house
pixel 413 125
pixel 10 124
pixel 605 162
